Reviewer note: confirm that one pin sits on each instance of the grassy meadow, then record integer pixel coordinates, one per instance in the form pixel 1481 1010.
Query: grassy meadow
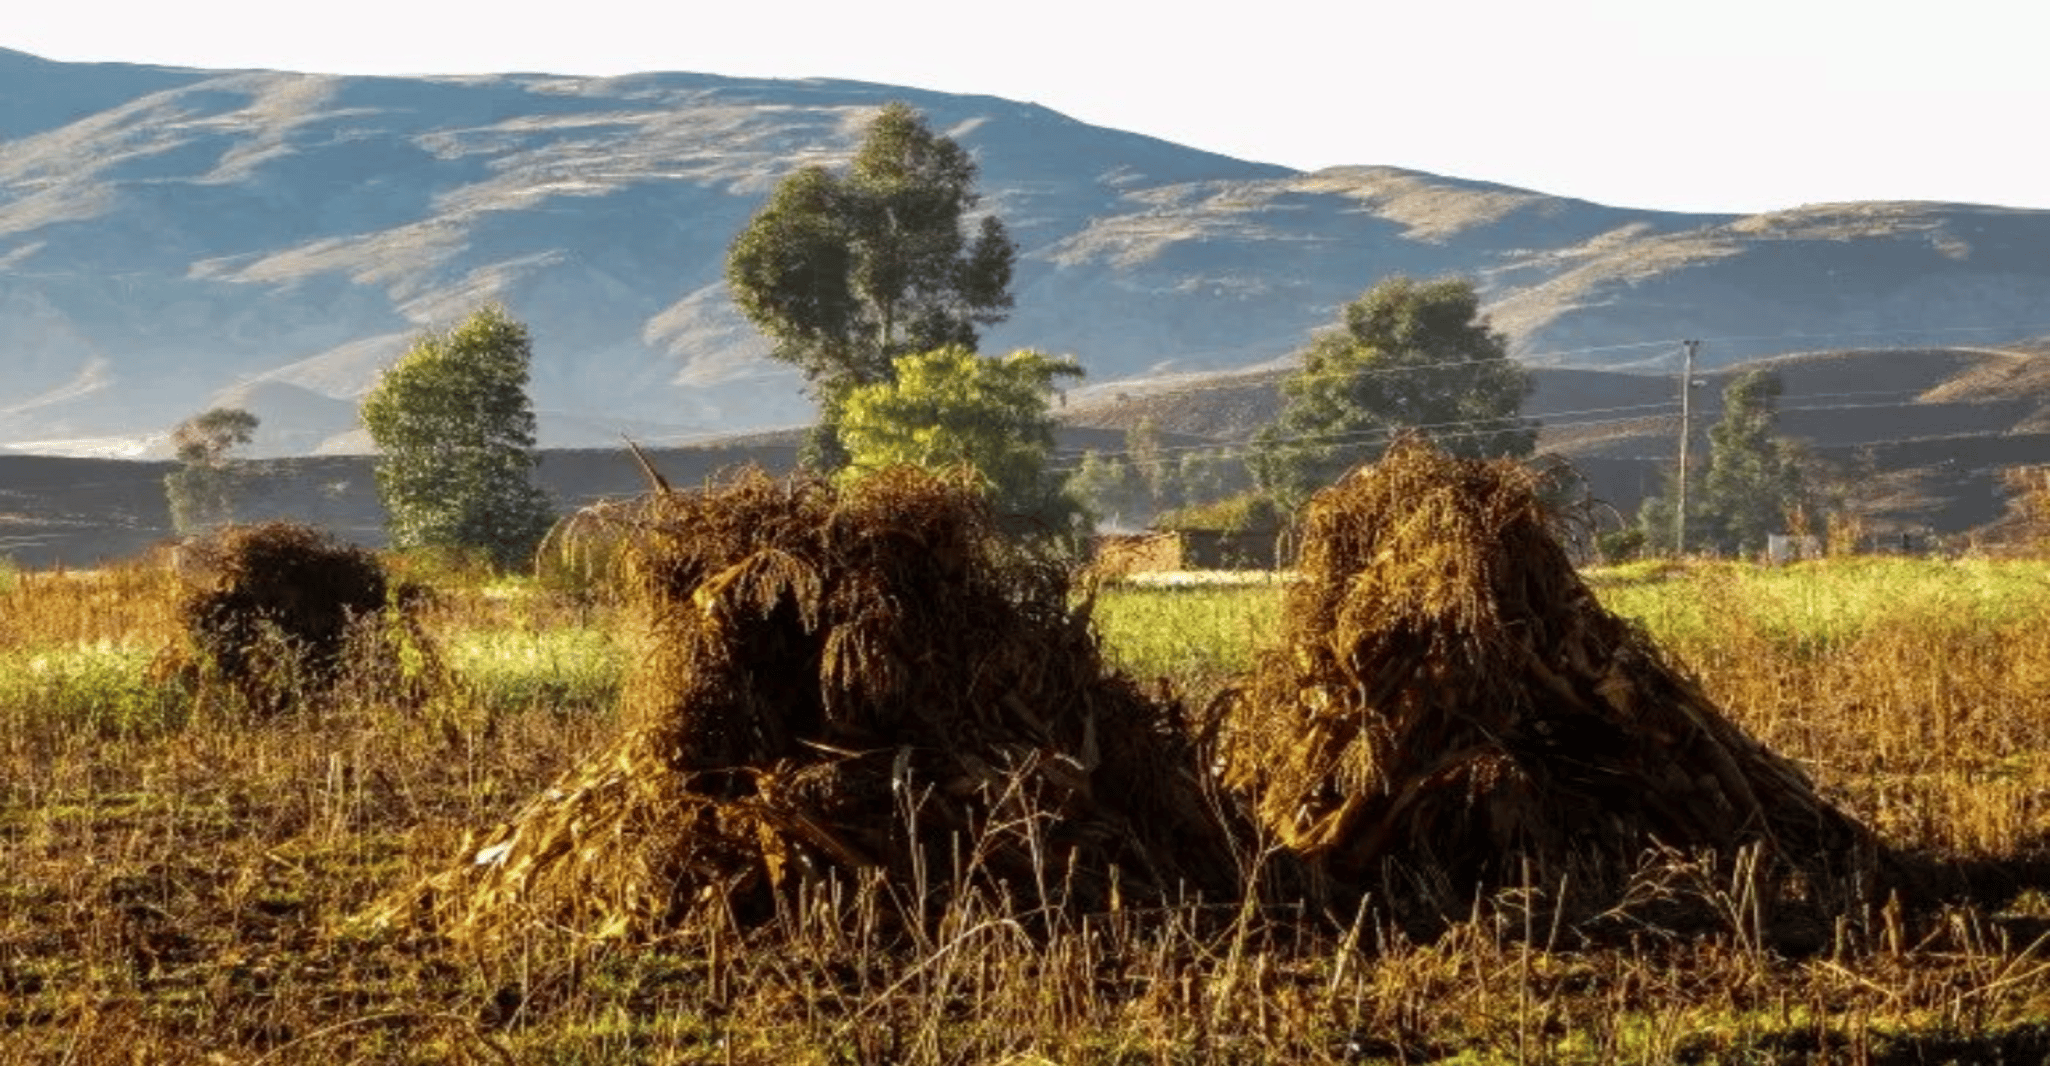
pixel 180 883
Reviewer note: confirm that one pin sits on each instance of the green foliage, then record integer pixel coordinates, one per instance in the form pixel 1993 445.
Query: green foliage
pixel 455 433
pixel 202 491
pixel 1245 512
pixel 1146 480
pixel 1754 480
pixel 1155 470
pixel 1210 475
pixel 1754 486
pixel 458 567
pixel 559 667
pixel 949 408
pixel 1409 356
pixel 1108 487
pixel 103 689
pixel 1198 635
pixel 200 497
pixel 845 273
pixel 1822 606
pixel 1620 545
pixel 208 438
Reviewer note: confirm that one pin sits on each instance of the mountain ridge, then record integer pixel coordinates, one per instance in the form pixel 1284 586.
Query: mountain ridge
pixel 171 239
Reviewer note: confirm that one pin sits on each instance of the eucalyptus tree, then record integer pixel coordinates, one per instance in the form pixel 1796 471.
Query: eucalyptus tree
pixel 847 272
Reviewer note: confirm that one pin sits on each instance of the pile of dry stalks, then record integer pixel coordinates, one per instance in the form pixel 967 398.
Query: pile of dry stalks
pixel 839 680
pixel 874 679
pixel 1449 709
pixel 277 614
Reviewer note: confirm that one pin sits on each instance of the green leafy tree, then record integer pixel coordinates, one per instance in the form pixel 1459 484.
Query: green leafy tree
pixel 1754 473
pixel 1655 519
pixel 455 434
pixel 202 491
pixel 1208 475
pixel 1156 469
pixel 950 407
pixel 1754 485
pixel 845 273
pixel 1142 481
pixel 1242 512
pixel 1408 355
pixel 1109 488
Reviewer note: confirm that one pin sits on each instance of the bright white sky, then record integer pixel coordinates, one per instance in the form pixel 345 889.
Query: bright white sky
pixel 1730 105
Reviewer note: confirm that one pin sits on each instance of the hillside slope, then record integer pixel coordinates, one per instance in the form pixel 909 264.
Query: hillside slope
pixel 172 239
pixel 1911 439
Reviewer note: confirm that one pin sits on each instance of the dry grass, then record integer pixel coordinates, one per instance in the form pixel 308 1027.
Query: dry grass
pixel 832 681
pixel 1919 692
pixel 1447 707
pixel 179 888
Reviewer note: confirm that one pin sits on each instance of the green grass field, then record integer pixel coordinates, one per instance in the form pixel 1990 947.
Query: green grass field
pixel 1191 633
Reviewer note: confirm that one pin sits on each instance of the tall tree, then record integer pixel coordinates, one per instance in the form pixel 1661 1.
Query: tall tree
pixel 1149 458
pixel 845 273
pixel 1408 355
pixel 455 434
pixel 1754 484
pixel 1110 489
pixel 1208 475
pixel 1754 477
pixel 201 492
pixel 951 407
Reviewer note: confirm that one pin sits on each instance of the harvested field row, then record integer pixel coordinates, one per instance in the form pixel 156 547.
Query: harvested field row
pixel 764 912
pixel 874 681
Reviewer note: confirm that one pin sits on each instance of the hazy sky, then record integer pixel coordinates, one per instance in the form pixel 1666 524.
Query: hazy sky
pixel 1734 105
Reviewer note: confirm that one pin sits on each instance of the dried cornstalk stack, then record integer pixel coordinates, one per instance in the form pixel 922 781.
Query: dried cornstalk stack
pixel 1448 699
pixel 278 613
pixel 835 680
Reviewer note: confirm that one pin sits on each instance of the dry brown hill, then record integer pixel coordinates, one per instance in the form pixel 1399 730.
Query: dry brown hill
pixel 80 512
pixel 1916 438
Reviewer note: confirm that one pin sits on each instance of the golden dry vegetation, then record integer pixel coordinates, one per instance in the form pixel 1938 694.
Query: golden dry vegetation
pixel 184 881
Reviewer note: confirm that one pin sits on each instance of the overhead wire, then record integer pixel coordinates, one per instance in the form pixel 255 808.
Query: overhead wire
pixel 1137 389
pixel 1095 394
pixel 1069 460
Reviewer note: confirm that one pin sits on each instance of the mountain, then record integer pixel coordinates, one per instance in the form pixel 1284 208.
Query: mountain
pixel 174 239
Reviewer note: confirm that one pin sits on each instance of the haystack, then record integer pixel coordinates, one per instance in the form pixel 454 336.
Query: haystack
pixel 1450 707
pixel 272 611
pixel 842 680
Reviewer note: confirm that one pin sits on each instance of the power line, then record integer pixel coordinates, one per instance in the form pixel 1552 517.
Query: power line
pixel 1141 391
pixel 1069 459
pixel 2018 328
pixel 1377 434
pixel 1541 357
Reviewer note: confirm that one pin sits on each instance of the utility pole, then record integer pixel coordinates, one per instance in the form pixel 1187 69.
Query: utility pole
pixel 1686 430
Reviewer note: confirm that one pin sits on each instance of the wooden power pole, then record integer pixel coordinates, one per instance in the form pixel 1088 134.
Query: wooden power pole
pixel 1686 430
